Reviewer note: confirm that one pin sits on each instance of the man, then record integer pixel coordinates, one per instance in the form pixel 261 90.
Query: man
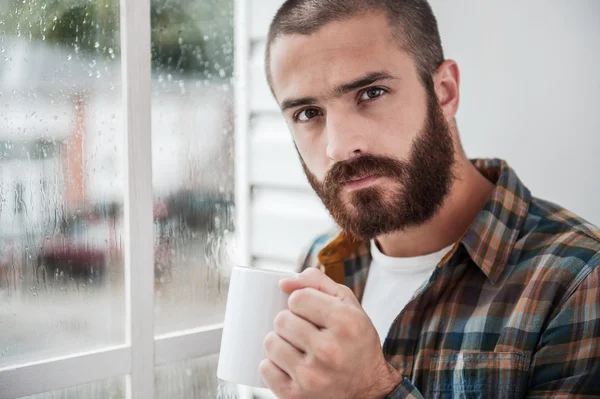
pixel 473 287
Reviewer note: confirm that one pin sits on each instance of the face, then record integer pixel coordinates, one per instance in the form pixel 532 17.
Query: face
pixel 374 143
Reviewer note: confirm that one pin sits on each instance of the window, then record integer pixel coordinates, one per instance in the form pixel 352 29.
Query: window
pixel 192 137
pixel 112 277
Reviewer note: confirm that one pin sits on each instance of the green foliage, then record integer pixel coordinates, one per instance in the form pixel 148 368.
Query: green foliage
pixel 188 37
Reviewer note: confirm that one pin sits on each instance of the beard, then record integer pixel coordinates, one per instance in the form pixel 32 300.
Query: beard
pixel 419 184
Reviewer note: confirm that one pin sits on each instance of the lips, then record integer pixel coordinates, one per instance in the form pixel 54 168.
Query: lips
pixel 357 178
pixel 358 183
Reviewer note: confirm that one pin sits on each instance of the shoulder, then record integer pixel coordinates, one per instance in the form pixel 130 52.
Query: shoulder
pixel 309 257
pixel 561 232
pixel 560 246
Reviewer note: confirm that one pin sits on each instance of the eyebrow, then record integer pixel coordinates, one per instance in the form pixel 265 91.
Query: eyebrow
pixel 340 90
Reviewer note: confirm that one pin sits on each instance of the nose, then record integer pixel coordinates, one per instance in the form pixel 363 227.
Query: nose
pixel 345 137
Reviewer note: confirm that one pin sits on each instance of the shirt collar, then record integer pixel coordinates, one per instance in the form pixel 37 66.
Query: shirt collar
pixel 491 237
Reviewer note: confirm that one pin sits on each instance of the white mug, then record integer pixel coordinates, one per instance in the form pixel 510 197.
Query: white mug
pixel 253 300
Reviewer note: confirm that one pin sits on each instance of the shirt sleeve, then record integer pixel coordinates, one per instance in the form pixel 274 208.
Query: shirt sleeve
pixel 309 256
pixel 567 361
pixel 405 390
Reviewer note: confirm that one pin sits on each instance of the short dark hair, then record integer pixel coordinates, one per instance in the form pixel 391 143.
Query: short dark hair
pixel 412 21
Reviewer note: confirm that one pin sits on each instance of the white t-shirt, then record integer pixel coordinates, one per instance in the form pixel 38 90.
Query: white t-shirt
pixel 392 283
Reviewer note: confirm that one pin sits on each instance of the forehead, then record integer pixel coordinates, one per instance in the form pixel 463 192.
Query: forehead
pixel 309 65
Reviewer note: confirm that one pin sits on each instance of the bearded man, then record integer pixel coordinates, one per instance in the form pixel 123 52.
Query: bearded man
pixel 447 277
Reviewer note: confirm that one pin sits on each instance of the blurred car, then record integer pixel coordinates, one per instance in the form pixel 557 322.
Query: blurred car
pixel 80 250
pixel 201 211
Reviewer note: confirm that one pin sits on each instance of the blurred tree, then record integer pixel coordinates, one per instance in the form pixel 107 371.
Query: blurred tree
pixel 188 37
pixel 177 43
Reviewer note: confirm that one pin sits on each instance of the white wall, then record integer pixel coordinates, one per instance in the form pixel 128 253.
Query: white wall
pixel 531 91
pixel 530 94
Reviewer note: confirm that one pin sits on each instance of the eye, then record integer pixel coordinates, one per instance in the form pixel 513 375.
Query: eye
pixel 372 93
pixel 306 114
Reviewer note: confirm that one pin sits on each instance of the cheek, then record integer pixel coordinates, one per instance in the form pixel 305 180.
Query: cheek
pixel 313 154
pixel 395 136
pixel 394 123
pixel 393 141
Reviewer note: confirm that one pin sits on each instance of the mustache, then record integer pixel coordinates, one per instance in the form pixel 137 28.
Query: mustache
pixel 361 167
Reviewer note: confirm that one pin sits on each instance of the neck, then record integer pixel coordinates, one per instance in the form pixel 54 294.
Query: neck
pixel 468 195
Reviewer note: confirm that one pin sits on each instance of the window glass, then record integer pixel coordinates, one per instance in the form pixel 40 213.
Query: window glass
pixel 192 144
pixel 192 379
pixel 61 267
pixel 113 388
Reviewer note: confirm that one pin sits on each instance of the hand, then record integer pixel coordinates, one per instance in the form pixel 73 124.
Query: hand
pixel 325 345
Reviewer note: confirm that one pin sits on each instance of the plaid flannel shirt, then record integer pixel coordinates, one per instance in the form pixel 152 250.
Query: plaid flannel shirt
pixel 512 311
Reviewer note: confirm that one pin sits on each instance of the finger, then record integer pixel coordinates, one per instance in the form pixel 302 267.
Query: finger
pixel 275 378
pixel 282 353
pixel 313 306
pixel 314 278
pixel 310 278
pixel 294 329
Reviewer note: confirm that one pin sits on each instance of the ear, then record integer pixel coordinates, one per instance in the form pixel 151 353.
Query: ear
pixel 446 81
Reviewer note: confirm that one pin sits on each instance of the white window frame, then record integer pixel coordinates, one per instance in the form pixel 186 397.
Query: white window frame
pixel 142 351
